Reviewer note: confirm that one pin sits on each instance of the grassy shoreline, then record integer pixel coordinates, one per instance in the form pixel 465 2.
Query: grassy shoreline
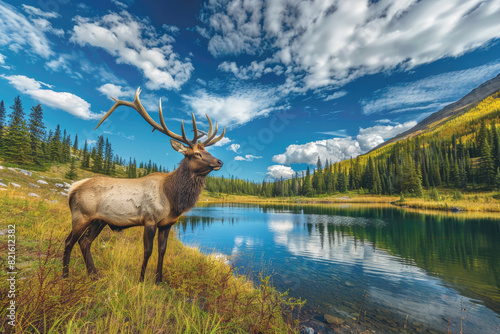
pixel 448 200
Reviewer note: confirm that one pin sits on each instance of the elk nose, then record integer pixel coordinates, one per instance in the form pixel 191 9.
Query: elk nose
pixel 219 162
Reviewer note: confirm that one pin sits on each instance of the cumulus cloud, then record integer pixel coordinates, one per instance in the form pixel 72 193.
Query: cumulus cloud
pixel 234 147
pixel 335 149
pixel 247 157
pixel 430 93
pixel 135 43
pixel 338 149
pixel 237 26
pixel 222 142
pixel 280 171
pixel 329 43
pixel 116 91
pixel 16 32
pixel 68 102
pixel 371 137
pixel 236 109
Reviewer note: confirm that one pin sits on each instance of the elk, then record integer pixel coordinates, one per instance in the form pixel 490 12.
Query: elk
pixel 154 201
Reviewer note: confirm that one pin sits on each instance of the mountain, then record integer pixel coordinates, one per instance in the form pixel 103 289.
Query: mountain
pixel 457 108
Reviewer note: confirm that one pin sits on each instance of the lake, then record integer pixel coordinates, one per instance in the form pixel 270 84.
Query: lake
pixel 391 267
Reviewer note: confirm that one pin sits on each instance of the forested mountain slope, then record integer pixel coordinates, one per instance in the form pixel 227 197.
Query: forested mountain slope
pixel 457 108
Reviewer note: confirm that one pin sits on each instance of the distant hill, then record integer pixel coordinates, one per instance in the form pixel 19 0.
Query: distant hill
pixel 457 108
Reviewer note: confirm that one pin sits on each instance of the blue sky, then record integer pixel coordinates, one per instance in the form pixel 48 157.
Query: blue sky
pixel 291 80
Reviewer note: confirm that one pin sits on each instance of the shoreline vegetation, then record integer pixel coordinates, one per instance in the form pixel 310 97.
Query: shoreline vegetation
pixel 442 200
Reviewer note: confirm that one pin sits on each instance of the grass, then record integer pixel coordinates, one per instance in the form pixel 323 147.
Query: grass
pixel 202 294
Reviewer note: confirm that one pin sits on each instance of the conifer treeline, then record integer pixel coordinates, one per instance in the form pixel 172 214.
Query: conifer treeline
pixel 26 142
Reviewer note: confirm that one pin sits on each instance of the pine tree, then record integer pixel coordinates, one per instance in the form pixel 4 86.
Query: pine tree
pixel 75 144
pixel 71 174
pixel 37 133
pixel 16 143
pixel 97 164
pixel 308 189
pixel 55 145
pixel 486 165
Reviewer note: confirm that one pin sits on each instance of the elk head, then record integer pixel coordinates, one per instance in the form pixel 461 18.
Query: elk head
pixel 198 160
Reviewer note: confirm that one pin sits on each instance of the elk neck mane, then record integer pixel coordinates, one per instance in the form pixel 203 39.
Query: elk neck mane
pixel 182 188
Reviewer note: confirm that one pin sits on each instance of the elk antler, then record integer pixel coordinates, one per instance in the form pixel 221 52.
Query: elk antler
pixel 163 127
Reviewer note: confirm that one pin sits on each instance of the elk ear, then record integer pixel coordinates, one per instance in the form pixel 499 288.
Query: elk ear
pixel 178 146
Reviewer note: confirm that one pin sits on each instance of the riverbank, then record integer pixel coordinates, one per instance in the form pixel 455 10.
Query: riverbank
pixel 442 200
pixel 201 293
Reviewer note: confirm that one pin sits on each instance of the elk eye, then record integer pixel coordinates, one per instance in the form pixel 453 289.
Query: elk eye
pixel 198 155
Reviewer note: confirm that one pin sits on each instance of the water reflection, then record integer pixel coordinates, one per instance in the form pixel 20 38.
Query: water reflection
pixel 397 263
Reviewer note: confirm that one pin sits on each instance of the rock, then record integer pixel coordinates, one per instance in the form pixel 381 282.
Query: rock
pixel 51 201
pixel 332 320
pixel 41 181
pixel 63 193
pixel 306 330
pixel 54 190
pixel 349 284
pixel 15 185
pixel 34 185
pixel 3 185
pixel 12 169
pixel 67 185
pixel 59 185
pixel 455 209
pixel 42 177
pixel 26 172
pixel 2 167
pixel 33 195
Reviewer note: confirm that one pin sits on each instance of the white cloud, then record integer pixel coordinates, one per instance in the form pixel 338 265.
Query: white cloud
pixel 433 92
pixel 335 149
pixel 45 26
pixel 38 12
pixel 247 157
pixel 222 142
pixel 116 91
pixel 280 171
pixel 335 95
pixel 336 133
pixel 119 4
pixel 16 32
pixel 234 147
pixel 329 43
pixel 68 102
pixel 237 26
pixel 371 137
pixel 339 149
pixel 61 63
pixel 2 59
pixel 135 43
pixel 236 109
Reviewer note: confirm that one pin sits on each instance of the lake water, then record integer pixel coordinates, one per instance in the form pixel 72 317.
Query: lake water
pixel 393 267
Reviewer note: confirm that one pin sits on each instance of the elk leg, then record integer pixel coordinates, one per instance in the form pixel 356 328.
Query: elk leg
pixel 149 235
pixel 162 247
pixel 72 238
pixel 86 240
